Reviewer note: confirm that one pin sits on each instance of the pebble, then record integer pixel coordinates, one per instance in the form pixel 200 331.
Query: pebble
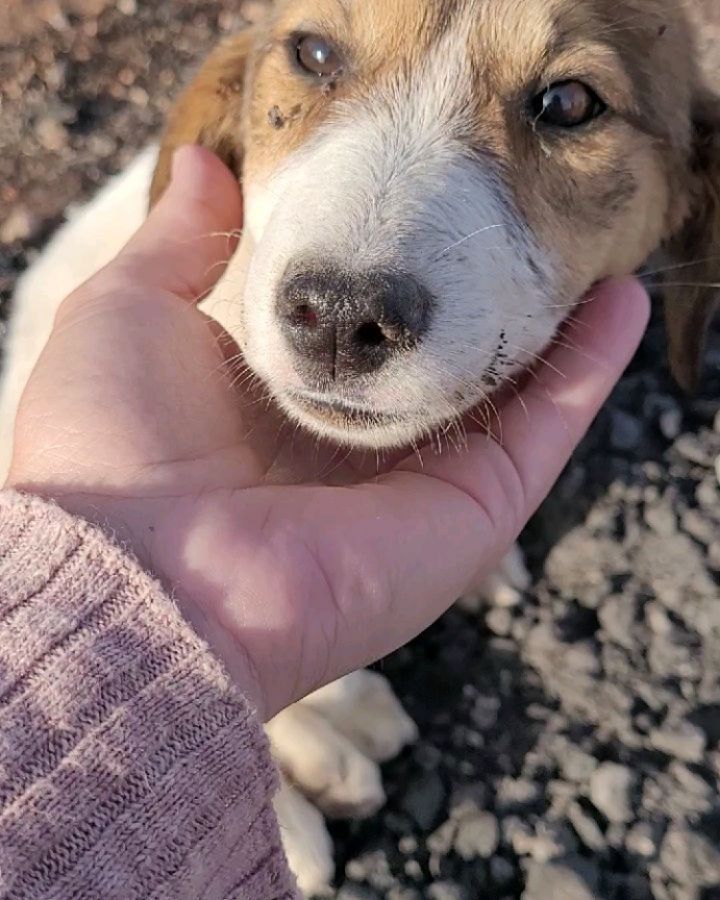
pixel 707 495
pixel 576 765
pixel 691 858
pixel 560 881
pixel 373 868
pixel 408 844
pixel 699 526
pixel 446 890
pixel 478 835
pixel 484 713
pixel 413 869
pixel 657 619
pixel 689 447
pixel 516 793
pixel 670 423
pixel 714 555
pixel 19 225
pixel 611 790
pixel 642 840
pixel 682 740
pixel 499 621
pixel 661 519
pixel 52 134
pixel 617 617
pixel 587 828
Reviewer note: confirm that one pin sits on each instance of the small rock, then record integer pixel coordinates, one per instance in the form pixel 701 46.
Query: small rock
pixel 499 621
pixel 657 619
pixel 690 448
pixel 661 519
pixel 517 793
pixel 413 869
pixel 477 835
pixel 561 881
pixel 424 800
pixel 138 96
pixel 101 145
pixel 127 7
pixel 515 832
pixel 714 556
pixel 682 740
pixel 485 711
pixel 580 566
pixel 576 765
pixel 626 431
pixel 20 224
pixel 401 893
pixel 611 788
pixel 446 890
pixel 441 840
pixel 587 828
pixel 408 844
pixel 690 858
pixel 617 617
pixel 706 494
pixel 642 840
pixel 670 423
pixel 699 526
pixel 52 134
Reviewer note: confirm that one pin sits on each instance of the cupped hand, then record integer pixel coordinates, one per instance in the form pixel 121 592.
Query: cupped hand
pixel 134 418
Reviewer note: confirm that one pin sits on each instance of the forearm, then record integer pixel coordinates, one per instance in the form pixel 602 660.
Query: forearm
pixel 129 765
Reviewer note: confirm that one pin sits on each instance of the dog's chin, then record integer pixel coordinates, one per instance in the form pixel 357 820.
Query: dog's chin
pixel 353 424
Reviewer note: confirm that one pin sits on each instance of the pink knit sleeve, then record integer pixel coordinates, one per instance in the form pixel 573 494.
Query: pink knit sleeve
pixel 129 766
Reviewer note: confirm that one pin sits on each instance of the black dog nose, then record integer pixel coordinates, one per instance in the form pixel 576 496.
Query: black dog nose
pixel 345 324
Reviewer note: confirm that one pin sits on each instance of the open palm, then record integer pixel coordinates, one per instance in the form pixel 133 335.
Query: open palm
pixel 297 562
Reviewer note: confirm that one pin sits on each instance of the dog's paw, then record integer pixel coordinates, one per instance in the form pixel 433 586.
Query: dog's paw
pixel 504 587
pixel 306 841
pixel 324 764
pixel 363 707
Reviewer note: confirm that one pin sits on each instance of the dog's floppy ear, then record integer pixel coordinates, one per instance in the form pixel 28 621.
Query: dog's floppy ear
pixel 210 110
pixel 692 287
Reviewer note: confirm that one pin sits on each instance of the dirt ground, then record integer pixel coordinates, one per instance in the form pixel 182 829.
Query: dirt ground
pixel 570 746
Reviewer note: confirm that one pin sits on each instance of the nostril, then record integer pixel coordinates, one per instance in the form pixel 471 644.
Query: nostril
pixel 303 316
pixel 370 334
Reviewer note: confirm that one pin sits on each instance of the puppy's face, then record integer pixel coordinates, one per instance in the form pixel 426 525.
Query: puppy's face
pixel 431 185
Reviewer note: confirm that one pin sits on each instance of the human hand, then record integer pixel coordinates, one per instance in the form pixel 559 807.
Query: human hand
pixel 131 419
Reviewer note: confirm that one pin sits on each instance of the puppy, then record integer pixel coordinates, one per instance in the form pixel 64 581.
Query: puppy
pixel 430 186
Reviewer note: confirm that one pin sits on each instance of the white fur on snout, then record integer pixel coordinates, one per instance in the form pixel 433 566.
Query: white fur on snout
pixel 390 183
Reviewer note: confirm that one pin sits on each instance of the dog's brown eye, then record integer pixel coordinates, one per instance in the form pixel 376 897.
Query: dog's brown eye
pixel 567 104
pixel 318 56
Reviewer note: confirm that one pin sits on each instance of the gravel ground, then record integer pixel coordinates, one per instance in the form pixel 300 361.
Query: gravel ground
pixel 570 746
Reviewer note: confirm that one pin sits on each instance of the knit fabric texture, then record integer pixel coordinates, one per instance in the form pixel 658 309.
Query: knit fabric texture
pixel 130 767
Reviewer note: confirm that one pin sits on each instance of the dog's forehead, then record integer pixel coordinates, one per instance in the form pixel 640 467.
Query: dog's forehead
pixel 406 27
pixel 501 44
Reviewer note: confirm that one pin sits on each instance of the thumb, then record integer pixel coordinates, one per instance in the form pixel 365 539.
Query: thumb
pixel 192 232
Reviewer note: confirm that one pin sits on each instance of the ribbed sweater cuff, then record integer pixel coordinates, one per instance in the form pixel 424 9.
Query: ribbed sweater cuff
pixel 129 766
